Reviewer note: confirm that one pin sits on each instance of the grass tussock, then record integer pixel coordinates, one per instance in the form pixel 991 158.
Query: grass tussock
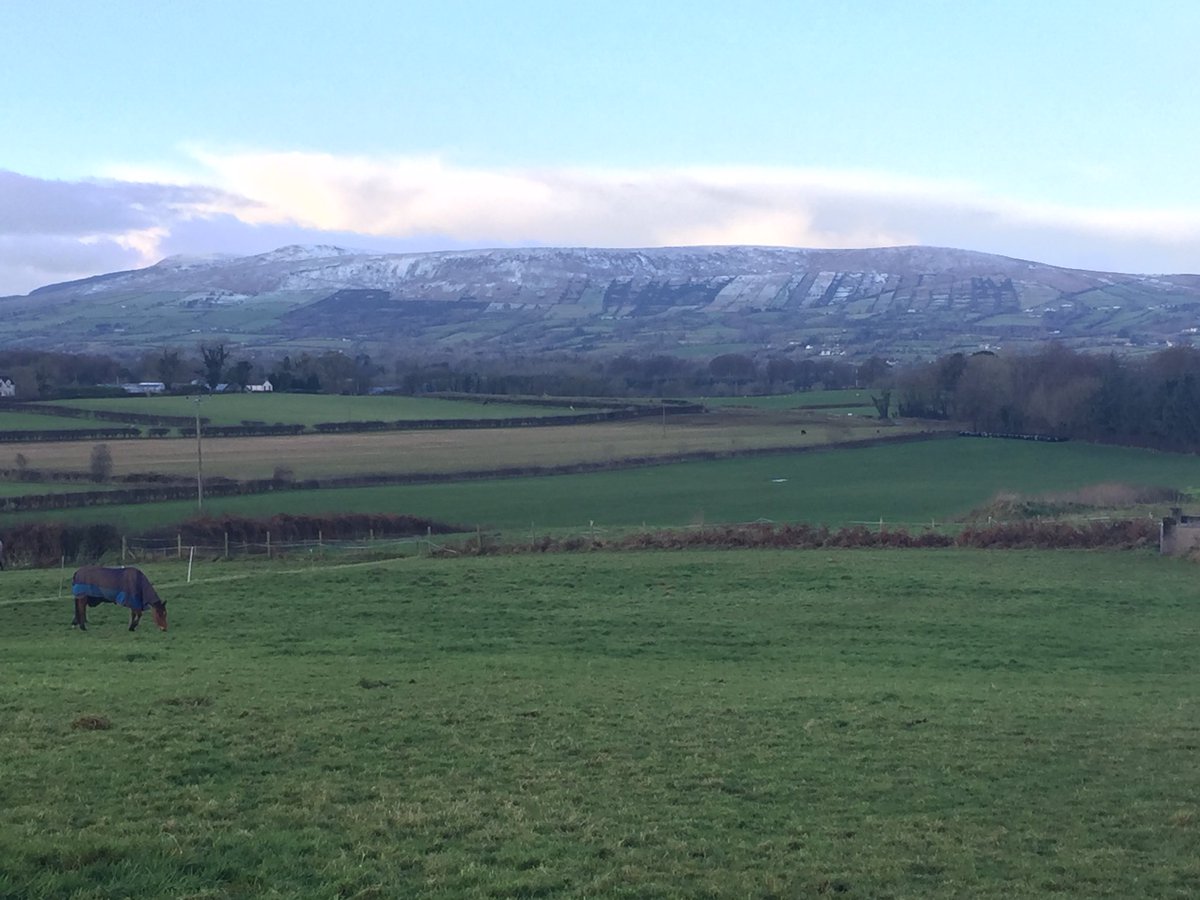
pixel 191 702
pixel 92 723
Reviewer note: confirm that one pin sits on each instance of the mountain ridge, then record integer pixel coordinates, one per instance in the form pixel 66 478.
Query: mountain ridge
pixel 895 301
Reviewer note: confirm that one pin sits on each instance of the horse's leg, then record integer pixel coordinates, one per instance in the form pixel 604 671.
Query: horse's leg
pixel 81 612
pixel 135 616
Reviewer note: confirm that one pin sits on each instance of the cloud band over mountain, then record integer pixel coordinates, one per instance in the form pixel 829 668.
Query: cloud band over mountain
pixel 247 202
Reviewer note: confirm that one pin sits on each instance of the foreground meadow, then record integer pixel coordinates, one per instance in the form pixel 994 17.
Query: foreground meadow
pixel 738 724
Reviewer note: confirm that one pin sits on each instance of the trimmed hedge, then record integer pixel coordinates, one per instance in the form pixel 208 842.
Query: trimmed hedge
pixel 1049 535
pixel 44 544
pixel 75 434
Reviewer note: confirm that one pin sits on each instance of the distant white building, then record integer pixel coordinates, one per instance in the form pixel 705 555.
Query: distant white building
pixel 265 388
pixel 144 387
pixel 7 388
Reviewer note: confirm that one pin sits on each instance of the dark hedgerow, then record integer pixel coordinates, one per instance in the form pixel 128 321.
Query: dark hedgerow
pixel 1111 535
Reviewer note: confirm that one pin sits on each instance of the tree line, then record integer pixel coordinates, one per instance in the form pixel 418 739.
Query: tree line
pixel 1150 401
pixel 48 375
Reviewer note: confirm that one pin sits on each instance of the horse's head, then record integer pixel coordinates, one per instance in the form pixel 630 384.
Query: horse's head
pixel 160 615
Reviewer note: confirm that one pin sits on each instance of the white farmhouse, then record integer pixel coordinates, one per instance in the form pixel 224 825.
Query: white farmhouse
pixel 265 388
pixel 7 388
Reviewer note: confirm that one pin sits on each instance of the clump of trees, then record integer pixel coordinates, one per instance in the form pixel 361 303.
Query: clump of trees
pixel 1151 401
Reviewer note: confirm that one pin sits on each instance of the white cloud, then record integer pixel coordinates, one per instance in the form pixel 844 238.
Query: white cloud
pixel 248 198
pixel 402 197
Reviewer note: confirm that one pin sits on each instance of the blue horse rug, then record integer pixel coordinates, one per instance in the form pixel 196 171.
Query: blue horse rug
pixel 126 586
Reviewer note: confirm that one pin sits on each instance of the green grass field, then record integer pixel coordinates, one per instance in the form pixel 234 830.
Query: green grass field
pixel 309 409
pixel 28 421
pixel 737 724
pixel 903 484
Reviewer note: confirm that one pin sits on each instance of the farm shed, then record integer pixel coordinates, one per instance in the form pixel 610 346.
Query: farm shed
pixel 1178 533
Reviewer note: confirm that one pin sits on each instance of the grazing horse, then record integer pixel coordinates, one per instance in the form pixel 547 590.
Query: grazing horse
pixel 126 586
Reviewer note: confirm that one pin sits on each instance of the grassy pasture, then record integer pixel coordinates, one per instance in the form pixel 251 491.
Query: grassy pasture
pixel 456 450
pixel 309 409
pixel 11 420
pixel 739 724
pixel 910 483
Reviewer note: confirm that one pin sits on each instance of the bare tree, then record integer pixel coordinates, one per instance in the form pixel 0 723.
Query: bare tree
pixel 101 464
pixel 214 359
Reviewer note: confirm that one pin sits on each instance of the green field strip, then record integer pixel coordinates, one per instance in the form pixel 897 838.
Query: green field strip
pixel 310 409
pixel 902 484
pixel 28 421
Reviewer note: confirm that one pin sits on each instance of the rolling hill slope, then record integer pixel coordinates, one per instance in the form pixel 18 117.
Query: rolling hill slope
pixel 900 301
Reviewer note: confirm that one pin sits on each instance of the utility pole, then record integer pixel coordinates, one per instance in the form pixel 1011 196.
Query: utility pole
pixel 199 461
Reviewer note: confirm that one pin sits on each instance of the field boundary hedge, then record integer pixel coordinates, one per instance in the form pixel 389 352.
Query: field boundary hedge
pixel 227 488
pixel 69 434
pixel 1119 534
pixel 45 544
pixel 103 415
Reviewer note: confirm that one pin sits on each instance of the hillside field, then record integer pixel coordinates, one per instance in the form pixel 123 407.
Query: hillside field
pixel 904 484
pixel 309 409
pixel 721 724
pixel 473 449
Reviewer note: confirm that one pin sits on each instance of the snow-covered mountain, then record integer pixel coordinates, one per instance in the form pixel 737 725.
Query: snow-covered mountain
pixel 896 301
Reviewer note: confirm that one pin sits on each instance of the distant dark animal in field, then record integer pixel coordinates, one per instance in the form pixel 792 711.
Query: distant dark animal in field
pixel 1 556
pixel 126 586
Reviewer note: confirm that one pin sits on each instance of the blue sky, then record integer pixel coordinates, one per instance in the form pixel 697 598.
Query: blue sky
pixel 1062 131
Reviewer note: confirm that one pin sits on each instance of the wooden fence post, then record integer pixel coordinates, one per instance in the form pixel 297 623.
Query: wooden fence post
pixel 179 543
pixel 227 545
pixel 268 545
pixel 123 549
